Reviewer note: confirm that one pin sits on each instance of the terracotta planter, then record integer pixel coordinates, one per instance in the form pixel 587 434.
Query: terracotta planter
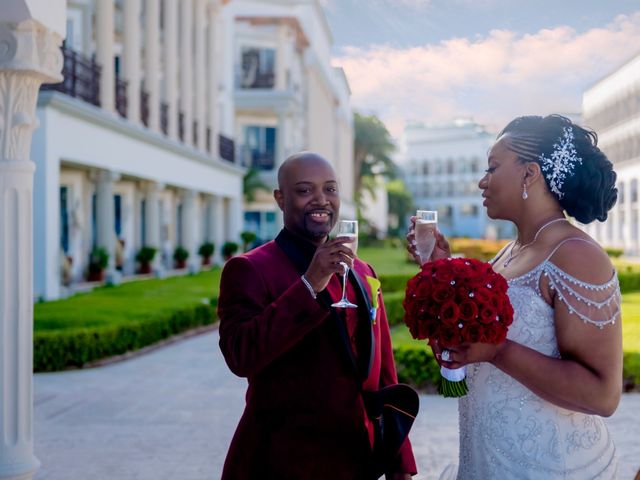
pixel 181 264
pixel 96 276
pixel 145 268
pixel 206 261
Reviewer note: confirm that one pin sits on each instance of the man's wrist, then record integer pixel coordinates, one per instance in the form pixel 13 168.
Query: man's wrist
pixel 313 293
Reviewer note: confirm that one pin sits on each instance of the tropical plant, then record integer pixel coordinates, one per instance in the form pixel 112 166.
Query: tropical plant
pixel 373 147
pixel 252 183
pixel 401 205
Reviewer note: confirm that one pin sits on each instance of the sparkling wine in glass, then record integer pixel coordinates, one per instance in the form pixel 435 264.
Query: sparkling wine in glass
pixel 426 225
pixel 349 230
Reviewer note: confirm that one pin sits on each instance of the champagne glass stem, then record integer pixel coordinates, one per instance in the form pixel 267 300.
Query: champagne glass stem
pixel 344 283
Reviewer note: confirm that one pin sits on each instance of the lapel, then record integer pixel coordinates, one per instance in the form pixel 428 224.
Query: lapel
pixel 301 255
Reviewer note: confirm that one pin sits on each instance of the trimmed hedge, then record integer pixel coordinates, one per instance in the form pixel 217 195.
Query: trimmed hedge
pixel 58 350
pixel 416 366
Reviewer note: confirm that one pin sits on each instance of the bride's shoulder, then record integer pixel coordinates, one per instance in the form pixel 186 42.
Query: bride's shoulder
pixel 581 257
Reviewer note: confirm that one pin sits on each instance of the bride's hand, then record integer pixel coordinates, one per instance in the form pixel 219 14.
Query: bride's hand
pixel 466 353
pixel 412 247
pixel 441 249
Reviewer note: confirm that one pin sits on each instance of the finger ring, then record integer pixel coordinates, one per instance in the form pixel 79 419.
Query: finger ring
pixel 446 355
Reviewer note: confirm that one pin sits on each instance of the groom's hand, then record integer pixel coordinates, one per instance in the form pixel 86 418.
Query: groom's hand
pixel 327 261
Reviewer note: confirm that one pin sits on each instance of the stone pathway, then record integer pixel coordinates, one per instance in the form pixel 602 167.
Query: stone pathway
pixel 170 415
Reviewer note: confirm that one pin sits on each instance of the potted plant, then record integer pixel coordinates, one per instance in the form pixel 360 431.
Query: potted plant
pixel 98 263
pixel 247 239
pixel 145 257
pixel 206 251
pixel 180 255
pixel 229 249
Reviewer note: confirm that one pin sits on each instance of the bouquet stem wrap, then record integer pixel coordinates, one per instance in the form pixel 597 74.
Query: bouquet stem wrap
pixel 452 382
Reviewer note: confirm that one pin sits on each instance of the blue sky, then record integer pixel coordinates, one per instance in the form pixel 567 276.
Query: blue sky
pixel 434 60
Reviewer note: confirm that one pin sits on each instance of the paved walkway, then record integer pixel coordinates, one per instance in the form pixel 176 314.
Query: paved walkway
pixel 170 414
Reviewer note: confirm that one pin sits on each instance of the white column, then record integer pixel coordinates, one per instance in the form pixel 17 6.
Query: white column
pixel 234 219
pixel 186 82
pixel 281 80
pixel 281 135
pixel 189 228
pixel 152 222
pixel 152 61
pixel 171 65
pixel 226 62
pixel 213 63
pixel 104 53
pixel 105 218
pixel 218 224
pixel 29 56
pixel 200 72
pixel 131 60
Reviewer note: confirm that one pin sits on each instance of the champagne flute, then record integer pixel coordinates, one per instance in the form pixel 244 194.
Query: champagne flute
pixel 426 225
pixel 348 229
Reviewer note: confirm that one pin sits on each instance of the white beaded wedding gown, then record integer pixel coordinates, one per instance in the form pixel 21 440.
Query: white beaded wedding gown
pixel 507 431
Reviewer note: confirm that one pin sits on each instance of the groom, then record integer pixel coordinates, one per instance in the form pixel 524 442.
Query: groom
pixel 304 416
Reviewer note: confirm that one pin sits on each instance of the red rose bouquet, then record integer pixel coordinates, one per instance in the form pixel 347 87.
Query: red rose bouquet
pixel 454 301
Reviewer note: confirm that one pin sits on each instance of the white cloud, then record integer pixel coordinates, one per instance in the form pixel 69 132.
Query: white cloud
pixel 492 78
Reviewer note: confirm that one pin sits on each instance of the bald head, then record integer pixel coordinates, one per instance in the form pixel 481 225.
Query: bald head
pixel 294 162
pixel 308 195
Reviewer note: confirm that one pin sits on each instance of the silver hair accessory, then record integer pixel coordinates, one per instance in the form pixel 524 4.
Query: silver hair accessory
pixel 562 162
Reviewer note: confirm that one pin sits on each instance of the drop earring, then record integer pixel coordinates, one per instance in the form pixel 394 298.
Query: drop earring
pixel 525 195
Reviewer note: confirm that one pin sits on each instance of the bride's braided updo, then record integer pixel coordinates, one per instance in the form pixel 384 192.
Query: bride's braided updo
pixel 576 171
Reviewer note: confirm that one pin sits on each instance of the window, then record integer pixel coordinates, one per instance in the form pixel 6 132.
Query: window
pixel 263 224
pixel 469 209
pixel 257 67
pixel 260 146
pixel 117 205
pixel 64 219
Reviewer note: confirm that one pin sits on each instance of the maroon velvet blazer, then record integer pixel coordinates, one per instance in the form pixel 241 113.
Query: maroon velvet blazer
pixel 304 417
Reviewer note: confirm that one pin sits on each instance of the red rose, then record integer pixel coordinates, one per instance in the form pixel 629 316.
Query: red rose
pixel 468 310
pixel 441 292
pixel 471 332
pixel 449 312
pixel 487 314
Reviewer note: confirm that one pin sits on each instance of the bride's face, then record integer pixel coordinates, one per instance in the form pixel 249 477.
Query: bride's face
pixel 502 183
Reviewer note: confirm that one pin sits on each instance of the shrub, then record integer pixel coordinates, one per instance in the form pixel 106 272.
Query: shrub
pixel 146 255
pixel 98 259
pixel 395 282
pixel 180 254
pixel 247 239
pixel 206 249
pixel 416 366
pixel 57 350
pixel 614 252
pixel 394 308
pixel 229 249
pixel 629 281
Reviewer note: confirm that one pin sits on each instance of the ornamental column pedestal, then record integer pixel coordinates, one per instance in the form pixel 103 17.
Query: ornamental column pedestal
pixel 29 56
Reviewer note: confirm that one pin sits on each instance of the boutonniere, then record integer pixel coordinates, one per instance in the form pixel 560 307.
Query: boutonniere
pixel 374 286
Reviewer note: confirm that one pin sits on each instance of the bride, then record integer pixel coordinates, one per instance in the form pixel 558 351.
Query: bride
pixel 535 402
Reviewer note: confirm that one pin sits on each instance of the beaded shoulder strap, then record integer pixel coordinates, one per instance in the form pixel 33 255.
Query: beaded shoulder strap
pixel 596 304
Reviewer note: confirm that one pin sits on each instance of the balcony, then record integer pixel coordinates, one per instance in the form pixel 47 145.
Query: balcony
pixel 226 149
pixel 81 78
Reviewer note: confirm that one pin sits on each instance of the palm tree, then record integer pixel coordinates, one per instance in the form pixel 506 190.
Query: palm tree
pixel 251 183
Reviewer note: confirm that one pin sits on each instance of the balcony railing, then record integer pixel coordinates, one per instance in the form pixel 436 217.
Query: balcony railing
pixel 81 77
pixel 226 149
pixel 181 126
pixel 144 107
pixel 164 118
pixel 121 97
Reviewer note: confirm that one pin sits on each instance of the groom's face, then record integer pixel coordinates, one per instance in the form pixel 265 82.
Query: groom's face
pixel 308 197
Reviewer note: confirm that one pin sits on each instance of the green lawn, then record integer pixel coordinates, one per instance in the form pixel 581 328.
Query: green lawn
pixel 388 260
pixel 128 302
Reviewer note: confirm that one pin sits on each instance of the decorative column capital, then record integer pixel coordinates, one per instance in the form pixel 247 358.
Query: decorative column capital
pixel 29 47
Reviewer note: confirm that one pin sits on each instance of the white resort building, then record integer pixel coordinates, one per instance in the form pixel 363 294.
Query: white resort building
pixel 612 108
pixel 164 106
pixel 287 98
pixel 442 166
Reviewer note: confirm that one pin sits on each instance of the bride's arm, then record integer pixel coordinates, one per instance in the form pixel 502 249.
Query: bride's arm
pixel 588 376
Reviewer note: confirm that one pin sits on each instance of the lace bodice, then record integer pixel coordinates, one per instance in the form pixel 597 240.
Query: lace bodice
pixel 506 431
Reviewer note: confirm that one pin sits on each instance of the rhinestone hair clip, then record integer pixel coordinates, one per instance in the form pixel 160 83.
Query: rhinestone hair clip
pixel 562 162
